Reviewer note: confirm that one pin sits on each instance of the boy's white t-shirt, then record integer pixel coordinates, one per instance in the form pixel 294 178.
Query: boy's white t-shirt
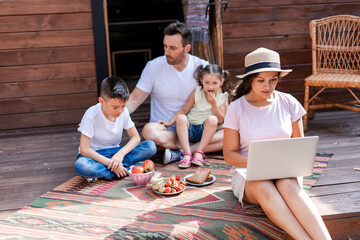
pixel 169 89
pixel 103 132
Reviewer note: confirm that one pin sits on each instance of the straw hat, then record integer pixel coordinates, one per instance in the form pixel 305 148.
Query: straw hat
pixel 263 60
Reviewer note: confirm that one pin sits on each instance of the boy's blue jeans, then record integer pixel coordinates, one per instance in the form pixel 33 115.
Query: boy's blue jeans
pixel 87 167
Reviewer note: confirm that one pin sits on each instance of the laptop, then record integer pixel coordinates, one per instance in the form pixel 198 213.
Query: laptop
pixel 281 158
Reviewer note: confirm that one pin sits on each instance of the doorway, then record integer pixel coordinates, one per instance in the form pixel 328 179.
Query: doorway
pixel 135 33
pixel 128 33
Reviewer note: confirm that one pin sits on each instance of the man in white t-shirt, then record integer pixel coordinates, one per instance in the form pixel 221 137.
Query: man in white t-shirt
pixel 169 80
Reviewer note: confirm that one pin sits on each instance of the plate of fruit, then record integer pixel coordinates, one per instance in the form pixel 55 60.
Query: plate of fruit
pixel 167 185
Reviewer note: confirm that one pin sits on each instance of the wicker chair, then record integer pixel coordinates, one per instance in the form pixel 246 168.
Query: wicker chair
pixel 335 43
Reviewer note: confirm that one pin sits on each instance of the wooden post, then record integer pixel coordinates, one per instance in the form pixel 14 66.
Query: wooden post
pixel 107 37
pixel 219 48
pixel 216 31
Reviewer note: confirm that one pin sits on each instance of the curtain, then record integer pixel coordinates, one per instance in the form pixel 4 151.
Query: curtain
pixel 201 45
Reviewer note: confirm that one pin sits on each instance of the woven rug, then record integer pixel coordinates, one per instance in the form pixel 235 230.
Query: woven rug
pixel 121 210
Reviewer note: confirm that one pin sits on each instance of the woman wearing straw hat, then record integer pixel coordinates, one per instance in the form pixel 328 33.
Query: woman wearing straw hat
pixel 260 112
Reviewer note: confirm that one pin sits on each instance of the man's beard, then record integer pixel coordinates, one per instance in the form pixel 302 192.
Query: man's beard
pixel 170 60
pixel 174 61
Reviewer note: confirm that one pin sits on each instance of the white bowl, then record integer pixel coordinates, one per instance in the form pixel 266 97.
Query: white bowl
pixel 141 179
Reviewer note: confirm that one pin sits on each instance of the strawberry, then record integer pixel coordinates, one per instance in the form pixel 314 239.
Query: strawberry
pixel 167 190
pixel 168 184
pixel 172 179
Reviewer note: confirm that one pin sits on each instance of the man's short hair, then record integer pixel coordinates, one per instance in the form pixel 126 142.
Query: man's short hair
pixel 114 87
pixel 180 28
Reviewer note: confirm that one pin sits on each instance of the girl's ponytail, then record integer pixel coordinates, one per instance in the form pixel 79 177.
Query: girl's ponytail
pixel 199 73
pixel 226 86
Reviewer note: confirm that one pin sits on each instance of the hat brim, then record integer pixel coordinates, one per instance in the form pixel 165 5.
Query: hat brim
pixel 283 72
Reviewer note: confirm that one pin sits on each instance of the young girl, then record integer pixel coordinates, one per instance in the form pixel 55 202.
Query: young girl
pixel 260 112
pixel 205 109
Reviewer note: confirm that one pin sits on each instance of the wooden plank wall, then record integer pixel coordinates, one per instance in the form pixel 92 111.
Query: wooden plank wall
pixel 47 63
pixel 281 25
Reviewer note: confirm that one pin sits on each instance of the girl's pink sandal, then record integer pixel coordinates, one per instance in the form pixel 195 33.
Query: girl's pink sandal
pixel 185 163
pixel 198 161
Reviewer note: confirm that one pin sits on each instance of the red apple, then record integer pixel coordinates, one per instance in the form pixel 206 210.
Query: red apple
pixel 148 165
pixel 137 169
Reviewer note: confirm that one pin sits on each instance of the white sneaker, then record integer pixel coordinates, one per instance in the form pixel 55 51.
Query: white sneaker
pixel 166 156
pixel 171 155
pixel 91 179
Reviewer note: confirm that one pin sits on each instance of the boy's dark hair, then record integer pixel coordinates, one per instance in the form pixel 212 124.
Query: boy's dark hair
pixel 114 87
pixel 180 28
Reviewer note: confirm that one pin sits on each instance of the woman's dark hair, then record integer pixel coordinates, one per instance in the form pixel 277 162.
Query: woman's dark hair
pixel 114 87
pixel 179 28
pixel 245 86
pixel 215 70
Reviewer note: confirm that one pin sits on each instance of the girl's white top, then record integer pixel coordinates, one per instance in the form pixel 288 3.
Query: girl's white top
pixel 202 108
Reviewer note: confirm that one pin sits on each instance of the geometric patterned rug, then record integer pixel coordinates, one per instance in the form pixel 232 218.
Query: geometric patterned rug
pixel 120 210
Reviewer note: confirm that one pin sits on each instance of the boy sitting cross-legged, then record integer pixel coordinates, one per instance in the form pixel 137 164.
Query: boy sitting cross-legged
pixel 100 155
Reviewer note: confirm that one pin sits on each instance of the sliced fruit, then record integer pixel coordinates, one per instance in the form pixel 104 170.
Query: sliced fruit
pixel 162 189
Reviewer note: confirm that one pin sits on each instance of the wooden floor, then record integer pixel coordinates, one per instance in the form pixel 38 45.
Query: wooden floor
pixel 34 161
pixel 337 193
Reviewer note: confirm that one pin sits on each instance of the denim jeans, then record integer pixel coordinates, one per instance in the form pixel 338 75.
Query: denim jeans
pixel 195 132
pixel 87 167
pixel 172 128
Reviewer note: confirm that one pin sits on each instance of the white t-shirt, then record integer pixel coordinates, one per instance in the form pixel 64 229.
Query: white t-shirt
pixel 103 132
pixel 169 89
pixel 261 123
